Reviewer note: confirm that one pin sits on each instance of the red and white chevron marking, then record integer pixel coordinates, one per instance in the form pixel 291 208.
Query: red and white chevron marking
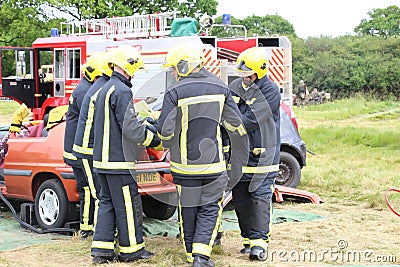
pixel 211 63
pixel 275 68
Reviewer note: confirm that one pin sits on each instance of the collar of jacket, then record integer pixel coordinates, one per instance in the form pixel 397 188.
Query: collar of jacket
pixel 237 87
pixel 122 78
pixel 198 74
pixel 260 82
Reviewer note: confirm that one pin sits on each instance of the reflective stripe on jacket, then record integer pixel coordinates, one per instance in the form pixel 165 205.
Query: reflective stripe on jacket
pixel 117 130
pixel 193 111
pixel 259 106
pixel 84 137
pixel 74 107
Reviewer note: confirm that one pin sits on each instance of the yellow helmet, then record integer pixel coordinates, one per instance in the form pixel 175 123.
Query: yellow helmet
pixel 252 60
pixel 105 68
pixel 91 69
pixel 127 58
pixel 184 57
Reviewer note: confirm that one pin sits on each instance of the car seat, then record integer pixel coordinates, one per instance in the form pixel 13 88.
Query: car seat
pixel 43 132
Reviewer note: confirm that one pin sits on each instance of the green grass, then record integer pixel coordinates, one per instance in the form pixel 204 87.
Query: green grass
pixel 356 142
pixel 324 137
pixel 8 107
pixel 346 108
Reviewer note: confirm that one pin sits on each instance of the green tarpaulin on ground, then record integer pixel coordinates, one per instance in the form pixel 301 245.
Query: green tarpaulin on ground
pixel 12 236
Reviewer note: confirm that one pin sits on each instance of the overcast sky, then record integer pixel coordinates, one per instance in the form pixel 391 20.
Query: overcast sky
pixel 308 17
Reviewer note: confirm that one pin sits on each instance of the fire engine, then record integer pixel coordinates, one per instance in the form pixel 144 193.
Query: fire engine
pixel 23 80
pixel 68 50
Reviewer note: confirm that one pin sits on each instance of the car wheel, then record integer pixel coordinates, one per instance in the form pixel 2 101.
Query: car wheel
pixel 158 209
pixel 52 208
pixel 289 170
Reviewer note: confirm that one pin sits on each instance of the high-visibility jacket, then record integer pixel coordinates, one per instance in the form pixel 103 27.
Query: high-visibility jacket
pixel 117 130
pixel 84 136
pixel 259 106
pixel 74 107
pixel 192 112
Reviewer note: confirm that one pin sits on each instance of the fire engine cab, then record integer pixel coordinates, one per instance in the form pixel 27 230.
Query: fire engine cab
pixel 66 51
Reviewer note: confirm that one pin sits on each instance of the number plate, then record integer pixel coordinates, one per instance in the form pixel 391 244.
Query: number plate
pixel 148 178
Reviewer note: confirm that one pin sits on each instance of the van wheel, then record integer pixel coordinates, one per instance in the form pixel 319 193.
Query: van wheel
pixel 52 208
pixel 289 171
pixel 157 208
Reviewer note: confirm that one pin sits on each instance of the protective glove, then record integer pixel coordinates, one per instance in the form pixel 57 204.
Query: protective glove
pixel 156 141
pixel 258 150
pixel 152 128
pixel 155 115
pixel 149 121
pixel 159 147
pixel 152 139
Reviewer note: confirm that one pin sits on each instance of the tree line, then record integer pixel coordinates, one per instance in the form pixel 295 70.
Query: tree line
pixel 367 62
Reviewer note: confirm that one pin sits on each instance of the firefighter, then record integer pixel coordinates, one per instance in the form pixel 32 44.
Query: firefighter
pixel 258 99
pixel 301 93
pixel 116 134
pixel 91 73
pixel 83 141
pixel 192 112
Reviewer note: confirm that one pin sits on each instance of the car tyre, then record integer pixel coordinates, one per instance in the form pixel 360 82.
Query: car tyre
pixel 158 209
pixel 52 208
pixel 289 170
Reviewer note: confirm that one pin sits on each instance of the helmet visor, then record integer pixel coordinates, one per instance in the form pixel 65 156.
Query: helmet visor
pixel 242 70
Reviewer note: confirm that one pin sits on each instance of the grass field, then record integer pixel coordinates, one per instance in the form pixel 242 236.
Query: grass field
pixel 7 108
pixel 356 143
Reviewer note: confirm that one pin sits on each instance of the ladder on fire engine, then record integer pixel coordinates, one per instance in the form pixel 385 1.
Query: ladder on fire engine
pixel 130 27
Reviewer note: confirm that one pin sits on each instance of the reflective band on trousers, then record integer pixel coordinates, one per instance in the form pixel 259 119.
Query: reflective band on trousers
pixel 260 169
pixel 130 219
pixel 103 245
pixel 131 249
pixel 202 249
pixel 86 210
pixel 258 243
pixel 189 257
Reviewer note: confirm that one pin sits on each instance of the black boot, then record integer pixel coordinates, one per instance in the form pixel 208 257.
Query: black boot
pixel 104 259
pixel 246 249
pixel 258 253
pixel 84 234
pixel 199 261
pixel 140 255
